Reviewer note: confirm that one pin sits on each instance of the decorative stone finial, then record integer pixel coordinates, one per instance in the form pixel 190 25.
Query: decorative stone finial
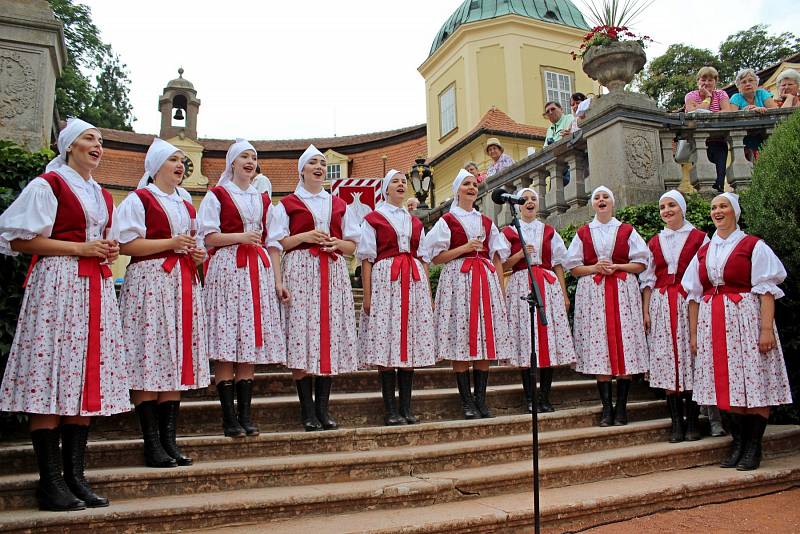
pixel 180 72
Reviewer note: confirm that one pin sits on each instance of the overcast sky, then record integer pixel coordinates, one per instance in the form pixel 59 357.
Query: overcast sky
pixel 312 68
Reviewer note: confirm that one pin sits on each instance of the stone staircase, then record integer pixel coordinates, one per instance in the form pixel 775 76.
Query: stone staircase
pixel 444 475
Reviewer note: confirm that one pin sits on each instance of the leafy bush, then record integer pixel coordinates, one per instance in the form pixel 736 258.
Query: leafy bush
pixel 773 213
pixel 433 275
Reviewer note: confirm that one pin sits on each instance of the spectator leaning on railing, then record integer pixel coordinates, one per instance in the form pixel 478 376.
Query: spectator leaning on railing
pixel 560 122
pixel 788 84
pixel 472 168
pixel 500 160
pixel 579 103
pixel 751 97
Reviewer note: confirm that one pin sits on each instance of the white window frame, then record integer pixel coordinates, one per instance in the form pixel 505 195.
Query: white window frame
pixel 558 88
pixel 334 171
pixel 448 119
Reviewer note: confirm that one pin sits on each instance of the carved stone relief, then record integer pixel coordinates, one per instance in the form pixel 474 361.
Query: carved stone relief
pixel 639 152
pixel 17 86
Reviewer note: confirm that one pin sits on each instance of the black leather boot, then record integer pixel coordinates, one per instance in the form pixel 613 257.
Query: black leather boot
pixel 526 387
pixel 52 492
pixel 230 424
pixel 545 383
pixel 751 457
pixel 73 452
pixel 388 384
pixel 607 417
pixel 405 382
pixel 621 409
pixel 674 405
pixel 244 397
pixel 310 421
pixel 692 419
pixel 481 379
pixel 167 430
pixel 734 425
pixel 154 453
pixel 322 395
pixel 467 400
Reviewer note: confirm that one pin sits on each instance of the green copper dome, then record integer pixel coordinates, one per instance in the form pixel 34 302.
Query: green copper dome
pixel 555 11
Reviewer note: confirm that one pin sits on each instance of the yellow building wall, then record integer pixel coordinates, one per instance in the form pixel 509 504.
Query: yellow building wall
pixel 492 78
pixel 454 73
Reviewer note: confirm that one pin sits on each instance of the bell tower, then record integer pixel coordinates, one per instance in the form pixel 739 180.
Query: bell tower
pixel 179 106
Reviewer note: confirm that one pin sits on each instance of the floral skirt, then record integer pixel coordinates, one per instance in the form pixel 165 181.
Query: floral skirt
pixel 665 371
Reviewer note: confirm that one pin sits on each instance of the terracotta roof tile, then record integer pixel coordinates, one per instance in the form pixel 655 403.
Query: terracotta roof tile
pixel 496 120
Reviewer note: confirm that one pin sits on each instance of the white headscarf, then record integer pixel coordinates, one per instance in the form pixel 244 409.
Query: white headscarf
pixel 157 154
pixel 233 152
pixel 310 152
pixel 66 137
pixel 459 179
pixel 603 188
pixel 535 194
pixel 733 198
pixel 386 180
pixel 675 195
pixel 266 184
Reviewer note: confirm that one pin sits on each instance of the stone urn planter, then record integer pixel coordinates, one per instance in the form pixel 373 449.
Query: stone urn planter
pixel 614 65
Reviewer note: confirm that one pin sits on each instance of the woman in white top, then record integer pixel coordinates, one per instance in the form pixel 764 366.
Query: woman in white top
pixel 610 341
pixel 243 286
pixel 666 314
pixel 554 345
pixel 732 285
pixel 315 230
pixel 161 302
pixel 67 361
pixel 396 326
pixel 471 321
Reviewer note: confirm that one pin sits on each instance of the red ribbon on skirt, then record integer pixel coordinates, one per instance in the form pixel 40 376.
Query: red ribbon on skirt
pixel 247 256
pixel 672 291
pixel 405 268
pixel 188 279
pixel 324 308
pixel 616 354
pixel 92 269
pixel 719 343
pixel 541 274
pixel 480 292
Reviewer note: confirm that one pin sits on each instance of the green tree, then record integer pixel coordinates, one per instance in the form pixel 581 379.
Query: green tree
pixel 754 48
pixel 670 76
pixel 100 97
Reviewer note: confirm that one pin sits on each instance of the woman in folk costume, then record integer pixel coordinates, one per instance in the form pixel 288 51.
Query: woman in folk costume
pixel 471 323
pixel 554 345
pixel 666 314
pixel 732 285
pixel 605 255
pixel 161 302
pixel 243 286
pixel 397 320
pixel 67 361
pixel 315 230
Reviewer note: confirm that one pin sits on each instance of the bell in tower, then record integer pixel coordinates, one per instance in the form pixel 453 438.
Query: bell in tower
pixel 179 106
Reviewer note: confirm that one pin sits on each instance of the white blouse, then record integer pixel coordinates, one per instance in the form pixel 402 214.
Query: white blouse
pixel 320 205
pixel 766 273
pixel 129 217
pixel 438 239
pixel 400 220
pixel 604 236
pixel 250 205
pixel 533 232
pixel 33 213
pixel 672 242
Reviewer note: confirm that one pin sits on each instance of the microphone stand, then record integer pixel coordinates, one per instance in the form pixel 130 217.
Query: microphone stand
pixel 534 300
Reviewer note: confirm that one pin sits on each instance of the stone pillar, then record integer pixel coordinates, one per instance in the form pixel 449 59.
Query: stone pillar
pixel 669 170
pixel 704 172
pixel 32 56
pixel 555 196
pixel 740 172
pixel 539 183
pixel 575 191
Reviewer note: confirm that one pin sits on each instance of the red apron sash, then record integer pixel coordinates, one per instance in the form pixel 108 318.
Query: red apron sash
pixel 247 256
pixel 540 275
pixel 616 354
pixel 672 291
pixel 188 279
pixel 719 342
pixel 92 269
pixel 324 308
pixel 479 292
pixel 405 268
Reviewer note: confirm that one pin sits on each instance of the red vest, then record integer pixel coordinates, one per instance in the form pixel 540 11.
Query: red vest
pixel 70 223
pixel 157 222
pixel 302 220
pixel 737 271
pixel 386 236
pixel 230 219
pixel 459 237
pixel 693 243
pixel 546 254
pixel 621 252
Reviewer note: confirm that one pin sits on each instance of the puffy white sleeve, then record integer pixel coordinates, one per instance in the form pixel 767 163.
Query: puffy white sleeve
pixel 691 281
pixel 270 241
pixel 574 256
pixel 767 271
pixel 129 220
pixel 648 277
pixel 435 242
pixel 639 253
pixel 498 244
pixel 558 249
pixel 32 214
pixel 277 224
pixel 351 230
pixel 208 215
pixel 367 246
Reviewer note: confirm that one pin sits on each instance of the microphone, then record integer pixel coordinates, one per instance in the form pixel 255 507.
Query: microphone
pixel 499 196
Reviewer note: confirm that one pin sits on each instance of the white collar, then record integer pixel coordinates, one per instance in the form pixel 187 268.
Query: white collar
pixel 389 208
pixel 597 224
pixel 458 211
pixel 175 196
pixel 302 192
pixel 687 227
pixel 737 234
pixel 73 178
pixel 532 223
pixel 233 188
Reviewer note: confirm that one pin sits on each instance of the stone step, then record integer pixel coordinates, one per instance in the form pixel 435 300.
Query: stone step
pixel 264 504
pixel 282 413
pixel 114 453
pixel 278 381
